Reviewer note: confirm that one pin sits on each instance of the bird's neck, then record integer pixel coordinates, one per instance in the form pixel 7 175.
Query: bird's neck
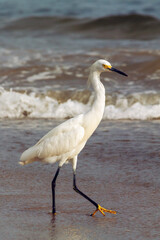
pixel 94 79
pixel 99 101
pixel 98 105
pixel 93 117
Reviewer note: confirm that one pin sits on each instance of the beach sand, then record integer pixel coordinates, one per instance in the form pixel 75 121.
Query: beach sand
pixel 119 168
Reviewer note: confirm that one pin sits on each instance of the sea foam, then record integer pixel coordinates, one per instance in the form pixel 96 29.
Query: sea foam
pixel 18 105
pixel 30 105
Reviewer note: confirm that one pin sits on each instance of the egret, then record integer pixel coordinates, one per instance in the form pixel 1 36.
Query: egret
pixel 63 143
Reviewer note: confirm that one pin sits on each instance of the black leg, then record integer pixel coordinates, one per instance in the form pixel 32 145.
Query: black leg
pixel 53 190
pixel 98 207
pixel 81 193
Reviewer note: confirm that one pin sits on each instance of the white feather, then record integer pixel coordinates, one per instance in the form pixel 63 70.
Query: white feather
pixel 64 142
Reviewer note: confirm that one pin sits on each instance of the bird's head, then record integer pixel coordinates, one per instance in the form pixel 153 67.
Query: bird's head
pixel 104 66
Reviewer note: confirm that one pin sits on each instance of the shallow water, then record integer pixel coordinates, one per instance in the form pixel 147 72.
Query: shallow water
pixel 46 51
pixel 119 168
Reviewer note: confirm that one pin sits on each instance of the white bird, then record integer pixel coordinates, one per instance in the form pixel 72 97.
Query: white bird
pixel 63 143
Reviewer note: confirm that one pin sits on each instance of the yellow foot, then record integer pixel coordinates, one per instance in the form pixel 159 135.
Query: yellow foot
pixel 102 210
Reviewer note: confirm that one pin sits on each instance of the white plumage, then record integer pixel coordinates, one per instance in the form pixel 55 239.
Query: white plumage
pixel 60 144
pixel 65 141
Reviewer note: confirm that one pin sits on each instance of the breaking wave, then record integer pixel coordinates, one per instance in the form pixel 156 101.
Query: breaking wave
pixel 138 106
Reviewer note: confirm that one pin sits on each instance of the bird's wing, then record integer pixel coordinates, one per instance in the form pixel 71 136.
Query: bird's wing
pixel 60 140
pixel 67 125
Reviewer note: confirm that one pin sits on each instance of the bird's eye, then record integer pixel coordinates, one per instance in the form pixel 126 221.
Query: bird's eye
pixel 105 66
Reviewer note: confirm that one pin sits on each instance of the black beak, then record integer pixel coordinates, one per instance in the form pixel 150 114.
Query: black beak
pixel 118 71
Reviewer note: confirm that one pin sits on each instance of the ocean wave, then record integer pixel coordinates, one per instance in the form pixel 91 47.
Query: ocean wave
pixel 131 26
pixel 39 23
pixel 138 106
pixel 19 105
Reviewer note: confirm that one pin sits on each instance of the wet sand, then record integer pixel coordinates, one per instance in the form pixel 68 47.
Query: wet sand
pixel 119 168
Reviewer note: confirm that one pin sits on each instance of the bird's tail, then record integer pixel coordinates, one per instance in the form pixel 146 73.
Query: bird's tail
pixel 28 156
